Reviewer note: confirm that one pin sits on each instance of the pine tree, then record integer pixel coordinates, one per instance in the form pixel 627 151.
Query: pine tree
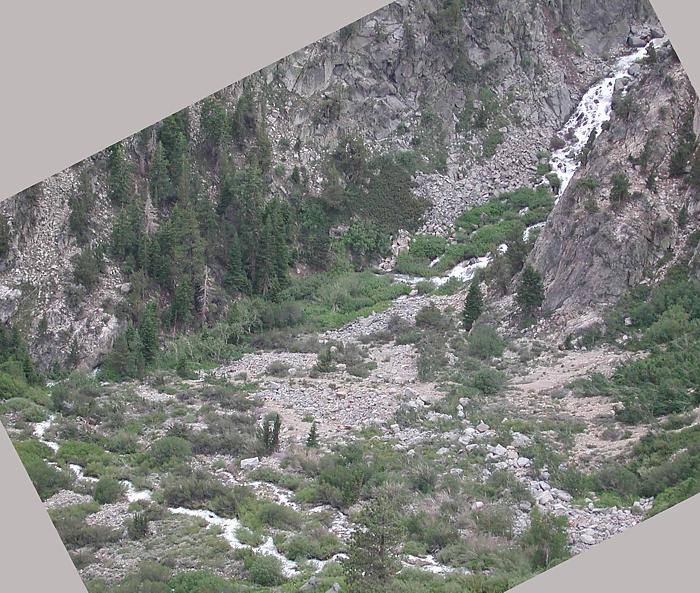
pixel 213 124
pixel 473 305
pixel 312 439
pixel 620 191
pixel 265 267
pixel 119 176
pixel 5 237
pixel 183 302
pixel 126 358
pixel 373 551
pixel 269 433
pixel 159 176
pixel 185 242
pixel 280 228
pixel 530 292
pixel 276 430
pixel 87 266
pixel 148 331
pixel 236 279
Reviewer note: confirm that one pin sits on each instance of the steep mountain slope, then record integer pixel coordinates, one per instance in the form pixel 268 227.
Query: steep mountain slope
pixel 630 211
pixel 471 90
pixel 393 281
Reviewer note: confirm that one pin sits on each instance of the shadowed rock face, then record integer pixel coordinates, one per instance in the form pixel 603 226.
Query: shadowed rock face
pixel 389 71
pixel 598 23
pixel 590 252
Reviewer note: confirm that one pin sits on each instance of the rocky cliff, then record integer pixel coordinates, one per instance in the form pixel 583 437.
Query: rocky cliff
pixel 627 214
pixel 474 88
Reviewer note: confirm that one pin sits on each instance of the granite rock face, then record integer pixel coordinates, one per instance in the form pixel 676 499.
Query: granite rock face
pixel 591 251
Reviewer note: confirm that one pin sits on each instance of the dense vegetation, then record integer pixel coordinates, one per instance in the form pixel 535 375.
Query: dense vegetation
pixel 480 230
pixel 662 320
pixel 191 260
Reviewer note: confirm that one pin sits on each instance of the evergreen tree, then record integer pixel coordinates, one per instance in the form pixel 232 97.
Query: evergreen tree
pixel 473 305
pixel 183 303
pixel 14 349
pixel 5 237
pixel 280 228
pixel 373 551
pixel 180 167
pixel 128 237
pixel 87 266
pixel 173 130
pixel 276 430
pixel 269 433
pixel 265 267
pixel 530 292
pixel 185 243
pixel 687 142
pixel 148 331
pixel 695 172
pixel 159 176
pixel 126 358
pixel 620 191
pixel 213 124
pixel 119 175
pixel 312 439
pixel 236 279
pixel 81 204
pixel 244 119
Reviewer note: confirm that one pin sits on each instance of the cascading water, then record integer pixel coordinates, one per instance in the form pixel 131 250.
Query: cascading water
pixel 592 112
pixel 590 115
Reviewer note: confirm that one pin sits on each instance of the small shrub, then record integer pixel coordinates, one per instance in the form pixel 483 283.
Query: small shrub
pixel 170 450
pixel 107 491
pixel 264 570
pixel 137 526
pixel 485 343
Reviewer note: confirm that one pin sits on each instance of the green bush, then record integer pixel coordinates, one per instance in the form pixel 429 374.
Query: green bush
pixel 485 343
pixel 428 246
pixel 170 450
pixel 107 491
pixel 46 479
pixel 488 381
pixel 319 543
pixel 546 538
pixel 264 570
pixel 83 453
pixel 199 581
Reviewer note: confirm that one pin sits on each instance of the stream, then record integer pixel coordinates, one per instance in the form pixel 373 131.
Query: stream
pixel 594 109
pixel 590 115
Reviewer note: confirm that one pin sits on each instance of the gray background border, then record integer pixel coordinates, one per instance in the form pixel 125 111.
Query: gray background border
pixel 79 75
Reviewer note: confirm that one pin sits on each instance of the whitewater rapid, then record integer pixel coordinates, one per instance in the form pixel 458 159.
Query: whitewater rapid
pixel 591 114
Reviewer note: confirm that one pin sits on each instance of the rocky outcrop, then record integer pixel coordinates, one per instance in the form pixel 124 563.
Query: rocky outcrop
pixel 591 251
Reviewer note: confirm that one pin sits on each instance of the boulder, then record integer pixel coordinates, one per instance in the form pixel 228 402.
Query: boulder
pixel 250 463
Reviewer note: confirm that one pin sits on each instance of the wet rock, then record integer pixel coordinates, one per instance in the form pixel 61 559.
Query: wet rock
pixel 636 41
